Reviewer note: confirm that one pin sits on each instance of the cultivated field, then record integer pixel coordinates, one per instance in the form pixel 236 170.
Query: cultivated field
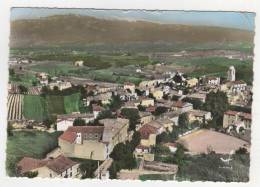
pixel 37 107
pixel 203 141
pixel 15 107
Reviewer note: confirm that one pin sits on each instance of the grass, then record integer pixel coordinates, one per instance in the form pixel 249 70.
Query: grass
pixel 163 177
pixel 31 144
pixel 35 107
pixel 55 104
pixel 72 103
pixel 39 107
pixel 25 79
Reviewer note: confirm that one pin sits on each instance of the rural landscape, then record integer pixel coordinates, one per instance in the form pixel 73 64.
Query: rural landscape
pixel 108 94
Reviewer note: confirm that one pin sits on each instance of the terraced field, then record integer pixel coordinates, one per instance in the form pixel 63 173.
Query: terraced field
pixel 15 107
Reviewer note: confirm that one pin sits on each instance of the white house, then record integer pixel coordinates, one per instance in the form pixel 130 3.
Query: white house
pixel 66 121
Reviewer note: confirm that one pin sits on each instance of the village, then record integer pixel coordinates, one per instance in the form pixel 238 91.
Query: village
pixel 130 131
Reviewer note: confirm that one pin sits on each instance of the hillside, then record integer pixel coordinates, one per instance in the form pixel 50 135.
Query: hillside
pixel 82 30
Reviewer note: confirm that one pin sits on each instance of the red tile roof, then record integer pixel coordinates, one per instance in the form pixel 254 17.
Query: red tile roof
pixel 68 136
pixel 60 164
pixel 231 112
pixel 28 164
pixel 239 82
pixel 150 109
pixel 146 130
pixel 97 108
pixel 71 133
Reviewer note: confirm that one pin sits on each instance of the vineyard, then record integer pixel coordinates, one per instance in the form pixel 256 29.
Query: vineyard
pixel 15 107
pixel 14 89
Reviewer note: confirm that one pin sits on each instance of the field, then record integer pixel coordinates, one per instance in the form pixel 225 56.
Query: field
pixel 35 107
pixel 31 144
pixel 15 107
pixel 216 66
pixel 72 103
pixel 203 141
pixel 39 107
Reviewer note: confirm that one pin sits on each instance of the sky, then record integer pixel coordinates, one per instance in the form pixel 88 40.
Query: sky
pixel 237 20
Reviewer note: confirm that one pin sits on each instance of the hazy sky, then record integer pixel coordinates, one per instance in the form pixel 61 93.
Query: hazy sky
pixel 223 19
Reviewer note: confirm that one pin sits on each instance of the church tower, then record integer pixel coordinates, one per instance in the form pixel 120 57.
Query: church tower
pixel 231 74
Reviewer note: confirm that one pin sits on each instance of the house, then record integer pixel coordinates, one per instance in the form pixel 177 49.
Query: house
pixel 173 116
pixel 158 126
pixel 66 120
pixel 234 118
pixel 148 135
pixel 157 94
pixel 150 109
pixel 146 117
pixel 60 167
pixel 192 82
pixel 60 85
pixel 146 101
pixel 213 81
pixel 94 142
pixel 199 95
pixel 172 146
pixel 78 63
pixel 97 110
pixel 129 86
pixel 144 152
pixel 199 115
pixel 166 123
pixel 182 106
pixel 238 86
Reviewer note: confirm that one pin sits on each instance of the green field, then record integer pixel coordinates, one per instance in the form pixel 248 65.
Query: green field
pixel 218 67
pixel 72 103
pixel 40 108
pixel 30 144
pixel 35 107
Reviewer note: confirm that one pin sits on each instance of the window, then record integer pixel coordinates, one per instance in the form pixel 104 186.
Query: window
pixel 50 175
pixel 70 174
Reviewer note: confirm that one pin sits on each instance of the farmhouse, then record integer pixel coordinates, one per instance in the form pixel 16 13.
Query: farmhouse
pixel 129 86
pixel 146 101
pixel 60 167
pixel 144 152
pixel 158 94
pixel 146 117
pixel 60 85
pixel 65 121
pixel 173 116
pixel 213 81
pixel 191 82
pixel 94 142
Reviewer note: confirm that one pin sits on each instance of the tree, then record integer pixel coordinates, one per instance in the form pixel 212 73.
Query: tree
pixel 197 104
pixel 160 110
pixel 11 72
pixel 183 121
pixel 177 78
pixel 87 168
pixel 105 114
pixel 23 89
pixel 139 92
pixel 115 103
pixel 133 115
pixel 31 174
pixel 175 98
pixel 217 104
pixel 179 154
pixel 79 122
pixel 241 150
pixel 141 108
pixel 9 130
pixel 136 139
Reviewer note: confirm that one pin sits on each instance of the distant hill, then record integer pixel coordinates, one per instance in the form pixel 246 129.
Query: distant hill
pixel 72 29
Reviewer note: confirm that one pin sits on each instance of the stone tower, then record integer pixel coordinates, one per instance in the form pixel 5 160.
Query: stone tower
pixel 231 74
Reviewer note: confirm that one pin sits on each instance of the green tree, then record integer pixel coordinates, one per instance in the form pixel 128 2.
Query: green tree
pixel 79 122
pixel 31 174
pixel 183 121
pixel 160 110
pixel 217 104
pixel 23 89
pixel 133 115
pixel 197 104
pixel 87 168
pixel 11 72
pixel 115 103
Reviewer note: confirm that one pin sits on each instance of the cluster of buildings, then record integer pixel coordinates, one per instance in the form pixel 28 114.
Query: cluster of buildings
pixel 97 142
